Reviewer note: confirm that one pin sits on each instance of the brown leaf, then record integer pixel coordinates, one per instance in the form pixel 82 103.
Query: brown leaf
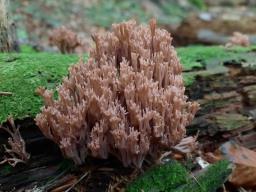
pixel 244 174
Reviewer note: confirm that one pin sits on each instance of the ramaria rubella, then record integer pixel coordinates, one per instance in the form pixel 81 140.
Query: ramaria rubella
pixel 67 41
pixel 238 39
pixel 127 100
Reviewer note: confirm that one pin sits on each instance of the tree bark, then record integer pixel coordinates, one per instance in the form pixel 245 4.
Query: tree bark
pixel 8 38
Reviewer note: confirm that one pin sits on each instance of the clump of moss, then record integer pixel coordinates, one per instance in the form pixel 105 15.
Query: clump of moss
pixel 161 178
pixel 205 61
pixel 200 56
pixel 174 177
pixel 210 180
pixel 200 4
pixel 21 74
pixel 27 49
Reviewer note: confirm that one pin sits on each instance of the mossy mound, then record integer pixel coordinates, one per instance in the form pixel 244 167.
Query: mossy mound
pixel 174 177
pixel 209 181
pixel 200 56
pixel 210 60
pixel 22 73
pixel 161 178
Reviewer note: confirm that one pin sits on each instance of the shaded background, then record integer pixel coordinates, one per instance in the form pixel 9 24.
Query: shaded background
pixel 189 21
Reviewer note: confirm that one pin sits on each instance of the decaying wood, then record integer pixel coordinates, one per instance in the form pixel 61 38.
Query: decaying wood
pixel 228 105
pixel 228 111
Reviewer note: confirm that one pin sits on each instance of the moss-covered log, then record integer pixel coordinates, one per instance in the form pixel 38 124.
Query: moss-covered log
pixel 174 177
pixel 21 74
pixel 223 81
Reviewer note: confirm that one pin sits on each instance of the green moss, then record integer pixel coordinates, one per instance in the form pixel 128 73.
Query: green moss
pixel 161 178
pixel 196 57
pixel 21 74
pixel 200 4
pixel 200 56
pixel 189 78
pixel 209 60
pixel 209 181
pixel 174 177
pixel 27 49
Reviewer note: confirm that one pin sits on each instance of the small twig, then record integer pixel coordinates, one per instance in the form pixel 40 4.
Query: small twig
pixel 79 180
pixel 224 188
pixel 2 93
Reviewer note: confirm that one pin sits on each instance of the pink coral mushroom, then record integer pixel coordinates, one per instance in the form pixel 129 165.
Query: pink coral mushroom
pixel 127 100
pixel 238 39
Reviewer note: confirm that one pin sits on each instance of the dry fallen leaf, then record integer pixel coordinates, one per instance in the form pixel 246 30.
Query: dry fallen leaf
pixel 244 174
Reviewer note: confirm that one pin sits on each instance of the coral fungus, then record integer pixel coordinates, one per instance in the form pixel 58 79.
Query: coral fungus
pixel 67 41
pixel 238 39
pixel 127 100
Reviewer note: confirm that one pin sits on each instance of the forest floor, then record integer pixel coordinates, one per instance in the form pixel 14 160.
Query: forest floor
pixel 222 80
